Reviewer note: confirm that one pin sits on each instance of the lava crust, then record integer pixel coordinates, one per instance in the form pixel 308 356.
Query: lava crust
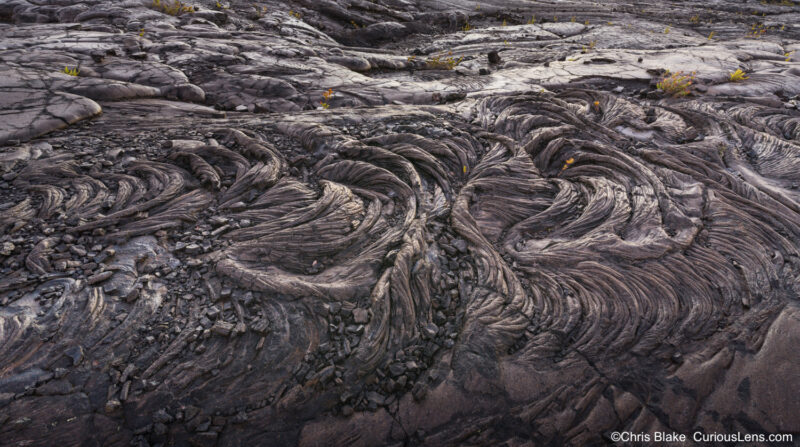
pixel 397 222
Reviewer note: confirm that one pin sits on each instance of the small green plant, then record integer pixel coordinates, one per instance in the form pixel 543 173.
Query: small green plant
pixel 711 35
pixel 788 56
pixel 737 76
pixel 591 46
pixel 295 14
pixel 757 30
pixel 695 19
pixel 676 84
pixel 666 30
pixel 504 23
pixel 355 25
pixel 71 71
pixel 532 20
pixel 174 8
pixel 466 27
pixel 449 63
pixel 326 96
pixel 261 11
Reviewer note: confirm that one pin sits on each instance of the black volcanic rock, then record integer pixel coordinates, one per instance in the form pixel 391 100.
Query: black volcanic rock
pixel 354 223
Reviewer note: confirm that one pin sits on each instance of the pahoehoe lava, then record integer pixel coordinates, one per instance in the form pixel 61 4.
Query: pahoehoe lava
pixel 397 222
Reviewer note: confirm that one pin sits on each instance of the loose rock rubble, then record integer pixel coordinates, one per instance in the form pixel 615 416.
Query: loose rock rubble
pixel 396 222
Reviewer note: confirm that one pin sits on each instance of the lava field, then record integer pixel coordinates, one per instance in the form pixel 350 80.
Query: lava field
pixel 397 222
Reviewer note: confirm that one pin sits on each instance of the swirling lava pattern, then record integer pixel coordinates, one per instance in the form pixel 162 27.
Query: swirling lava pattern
pixel 391 222
pixel 565 228
pixel 629 247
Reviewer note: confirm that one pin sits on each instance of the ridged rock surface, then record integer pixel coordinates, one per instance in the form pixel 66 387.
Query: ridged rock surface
pixel 396 222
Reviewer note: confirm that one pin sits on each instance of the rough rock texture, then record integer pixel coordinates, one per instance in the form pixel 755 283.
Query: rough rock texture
pixel 396 222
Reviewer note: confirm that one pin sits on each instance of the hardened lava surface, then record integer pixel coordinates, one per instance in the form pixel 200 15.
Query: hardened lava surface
pixel 397 222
